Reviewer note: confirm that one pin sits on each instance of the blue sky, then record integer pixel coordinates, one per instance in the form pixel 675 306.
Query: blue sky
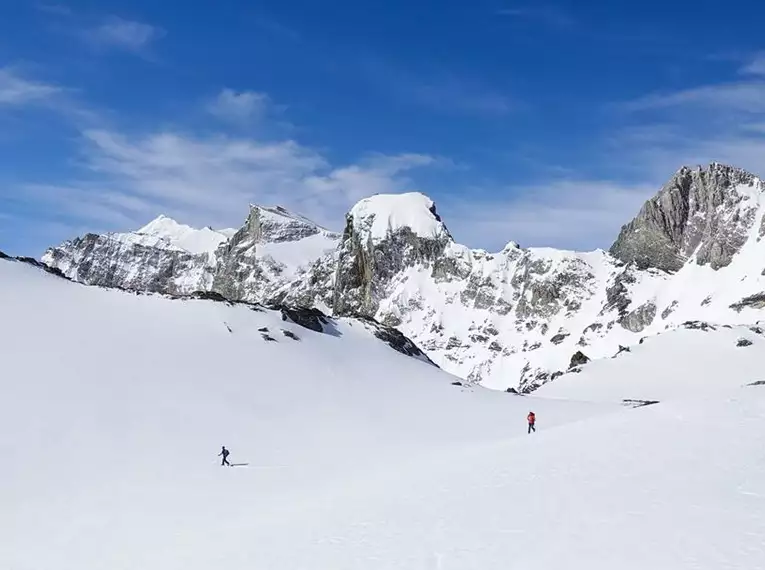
pixel 542 123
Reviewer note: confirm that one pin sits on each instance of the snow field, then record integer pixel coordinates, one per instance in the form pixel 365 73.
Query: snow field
pixel 115 405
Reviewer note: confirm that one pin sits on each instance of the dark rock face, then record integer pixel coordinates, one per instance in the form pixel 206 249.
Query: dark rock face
pixel 210 296
pixel 669 310
pixel 617 295
pixel 290 334
pixel 690 212
pixel 621 350
pixel 395 339
pixel 533 379
pixel 756 301
pixel 757 383
pixel 640 318
pixel 558 338
pixel 312 319
pixel 698 325
pixel 744 342
pixel 578 359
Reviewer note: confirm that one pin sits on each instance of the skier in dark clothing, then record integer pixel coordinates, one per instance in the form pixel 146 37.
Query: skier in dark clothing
pixel 224 454
pixel 532 420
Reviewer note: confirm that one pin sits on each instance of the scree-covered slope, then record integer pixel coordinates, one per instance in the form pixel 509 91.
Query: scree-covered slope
pixel 115 405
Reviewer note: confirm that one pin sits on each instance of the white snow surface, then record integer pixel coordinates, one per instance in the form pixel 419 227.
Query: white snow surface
pixel 702 368
pixel 380 214
pixel 114 406
pixel 166 233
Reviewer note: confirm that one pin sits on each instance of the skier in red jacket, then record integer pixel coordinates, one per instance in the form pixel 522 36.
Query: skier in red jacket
pixel 532 420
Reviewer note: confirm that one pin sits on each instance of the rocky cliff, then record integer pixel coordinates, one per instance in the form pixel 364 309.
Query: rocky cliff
pixel 510 319
pixel 705 213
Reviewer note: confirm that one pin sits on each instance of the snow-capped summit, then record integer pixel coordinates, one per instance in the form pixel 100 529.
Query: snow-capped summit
pixel 166 232
pixel 379 216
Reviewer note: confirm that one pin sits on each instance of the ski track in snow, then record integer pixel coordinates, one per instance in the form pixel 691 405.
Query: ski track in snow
pixel 115 405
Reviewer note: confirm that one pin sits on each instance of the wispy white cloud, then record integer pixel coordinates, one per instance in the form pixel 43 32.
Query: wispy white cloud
pixel 748 96
pixel 18 90
pixel 717 122
pixel 127 35
pixel 566 213
pixel 207 181
pixel 239 106
pixel 755 65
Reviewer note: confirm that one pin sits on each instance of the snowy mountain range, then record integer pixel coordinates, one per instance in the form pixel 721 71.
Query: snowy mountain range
pixel 513 319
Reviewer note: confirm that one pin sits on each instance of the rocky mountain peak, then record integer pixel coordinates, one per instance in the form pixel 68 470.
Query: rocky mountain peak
pixel 703 212
pixel 384 235
pixel 276 224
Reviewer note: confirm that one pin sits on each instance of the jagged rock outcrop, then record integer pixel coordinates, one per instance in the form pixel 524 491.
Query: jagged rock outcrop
pixel 578 359
pixel 636 321
pixel 377 246
pixel 312 319
pixel 756 301
pixel 703 212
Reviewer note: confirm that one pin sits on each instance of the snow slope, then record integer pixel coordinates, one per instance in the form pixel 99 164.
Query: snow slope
pixel 114 406
pixel 681 363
